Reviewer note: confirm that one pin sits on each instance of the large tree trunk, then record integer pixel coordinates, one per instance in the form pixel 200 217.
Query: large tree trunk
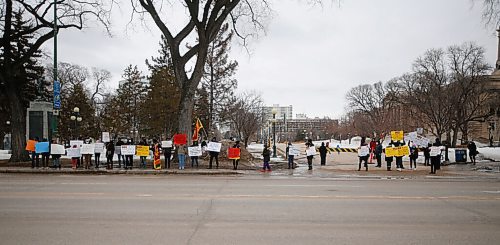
pixel 455 137
pixel 186 116
pixel 18 128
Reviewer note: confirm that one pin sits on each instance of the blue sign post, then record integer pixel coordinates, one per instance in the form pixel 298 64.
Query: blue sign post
pixel 57 95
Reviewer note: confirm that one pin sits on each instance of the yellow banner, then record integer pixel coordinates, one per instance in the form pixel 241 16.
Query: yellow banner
pixel 397 151
pixel 142 150
pixel 397 135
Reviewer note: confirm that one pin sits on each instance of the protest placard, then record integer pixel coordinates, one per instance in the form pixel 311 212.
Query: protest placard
pixel 435 151
pixel 105 137
pixel 30 145
pixel 390 151
pixel 73 152
pixel 42 147
pixel 403 151
pixel 128 150
pixel 311 151
pixel 99 148
pixel 397 135
pixel 194 151
pixel 214 146
pixel 56 149
pixel 166 144
pixel 78 143
pixel 142 150
pixel 363 151
pixel 293 151
pixel 233 153
pixel 87 149
pixel 180 139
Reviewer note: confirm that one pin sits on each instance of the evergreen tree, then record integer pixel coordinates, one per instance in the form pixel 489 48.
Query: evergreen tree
pixel 131 94
pixel 163 96
pixel 218 78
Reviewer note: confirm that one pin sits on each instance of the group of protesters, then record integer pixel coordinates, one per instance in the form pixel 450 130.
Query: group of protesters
pixel 84 161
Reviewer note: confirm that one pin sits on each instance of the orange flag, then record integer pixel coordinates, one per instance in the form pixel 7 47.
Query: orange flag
pixel 197 128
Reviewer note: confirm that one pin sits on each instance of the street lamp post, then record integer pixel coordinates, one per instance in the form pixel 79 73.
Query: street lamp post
pixel 76 118
pixel 490 130
pixel 349 137
pixel 274 111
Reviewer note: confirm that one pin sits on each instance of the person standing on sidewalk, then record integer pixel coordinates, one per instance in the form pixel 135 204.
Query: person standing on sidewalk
pixel 309 144
pixel 121 157
pixel 290 157
pixel 194 159
pixel 110 152
pixel 266 153
pixel 413 156
pixel 427 154
pixel 214 154
pixel 388 159
pixel 435 160
pixel 363 154
pixel 322 153
pixel 378 154
pixel 143 158
pixel 181 153
pixel 45 157
pixel 167 153
pixel 35 157
pixel 236 161
pixel 97 156
pixel 56 159
pixel 472 151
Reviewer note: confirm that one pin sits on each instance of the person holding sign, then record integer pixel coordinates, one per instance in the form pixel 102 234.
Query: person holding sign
pixel 35 158
pixel 56 158
pixel 142 157
pixel 291 155
pixel 388 157
pixel 363 154
pixel 194 159
pixel 214 155
pixel 309 145
pixel 97 153
pixel 156 155
pixel 167 151
pixel 435 157
pixel 236 160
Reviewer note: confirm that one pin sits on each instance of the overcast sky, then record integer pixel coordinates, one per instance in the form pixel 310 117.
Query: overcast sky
pixel 311 56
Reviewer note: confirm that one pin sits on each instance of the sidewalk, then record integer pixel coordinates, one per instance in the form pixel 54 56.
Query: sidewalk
pixel 27 170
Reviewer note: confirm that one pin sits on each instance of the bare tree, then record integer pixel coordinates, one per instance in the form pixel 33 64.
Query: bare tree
pixel 245 115
pixel 39 28
pixel 491 12
pixel 369 100
pixel 205 19
pixel 100 78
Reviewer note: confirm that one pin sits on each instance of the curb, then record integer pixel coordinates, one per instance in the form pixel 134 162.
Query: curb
pixel 119 172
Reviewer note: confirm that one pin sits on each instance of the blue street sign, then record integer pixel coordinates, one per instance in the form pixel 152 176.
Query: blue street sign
pixel 57 95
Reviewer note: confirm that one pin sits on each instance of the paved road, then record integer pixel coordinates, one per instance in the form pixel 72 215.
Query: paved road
pixel 249 209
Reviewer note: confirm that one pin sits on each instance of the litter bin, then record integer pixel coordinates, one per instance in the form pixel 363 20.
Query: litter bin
pixel 460 155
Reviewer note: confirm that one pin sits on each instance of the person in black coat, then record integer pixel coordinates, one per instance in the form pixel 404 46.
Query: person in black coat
pixel 322 153
pixel 214 155
pixel 167 153
pixel 427 154
pixel 389 159
pixel 435 160
pixel 110 152
pixel 364 157
pixel 194 159
pixel 472 151
pixel 266 154
pixel 121 157
pixel 378 154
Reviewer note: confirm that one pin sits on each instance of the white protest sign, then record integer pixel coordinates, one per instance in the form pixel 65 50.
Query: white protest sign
pixel 87 149
pixel 363 151
pixel 311 151
pixel 166 144
pixel 128 150
pixel 105 137
pixel 78 143
pixel 292 151
pixel 412 135
pixel 73 152
pixel 118 150
pixel 194 151
pixel 99 148
pixel 435 151
pixel 56 149
pixel 214 146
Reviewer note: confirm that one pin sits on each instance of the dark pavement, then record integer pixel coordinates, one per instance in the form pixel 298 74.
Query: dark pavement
pixel 246 209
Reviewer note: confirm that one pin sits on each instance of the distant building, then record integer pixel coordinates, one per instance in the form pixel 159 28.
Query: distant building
pixel 281 112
